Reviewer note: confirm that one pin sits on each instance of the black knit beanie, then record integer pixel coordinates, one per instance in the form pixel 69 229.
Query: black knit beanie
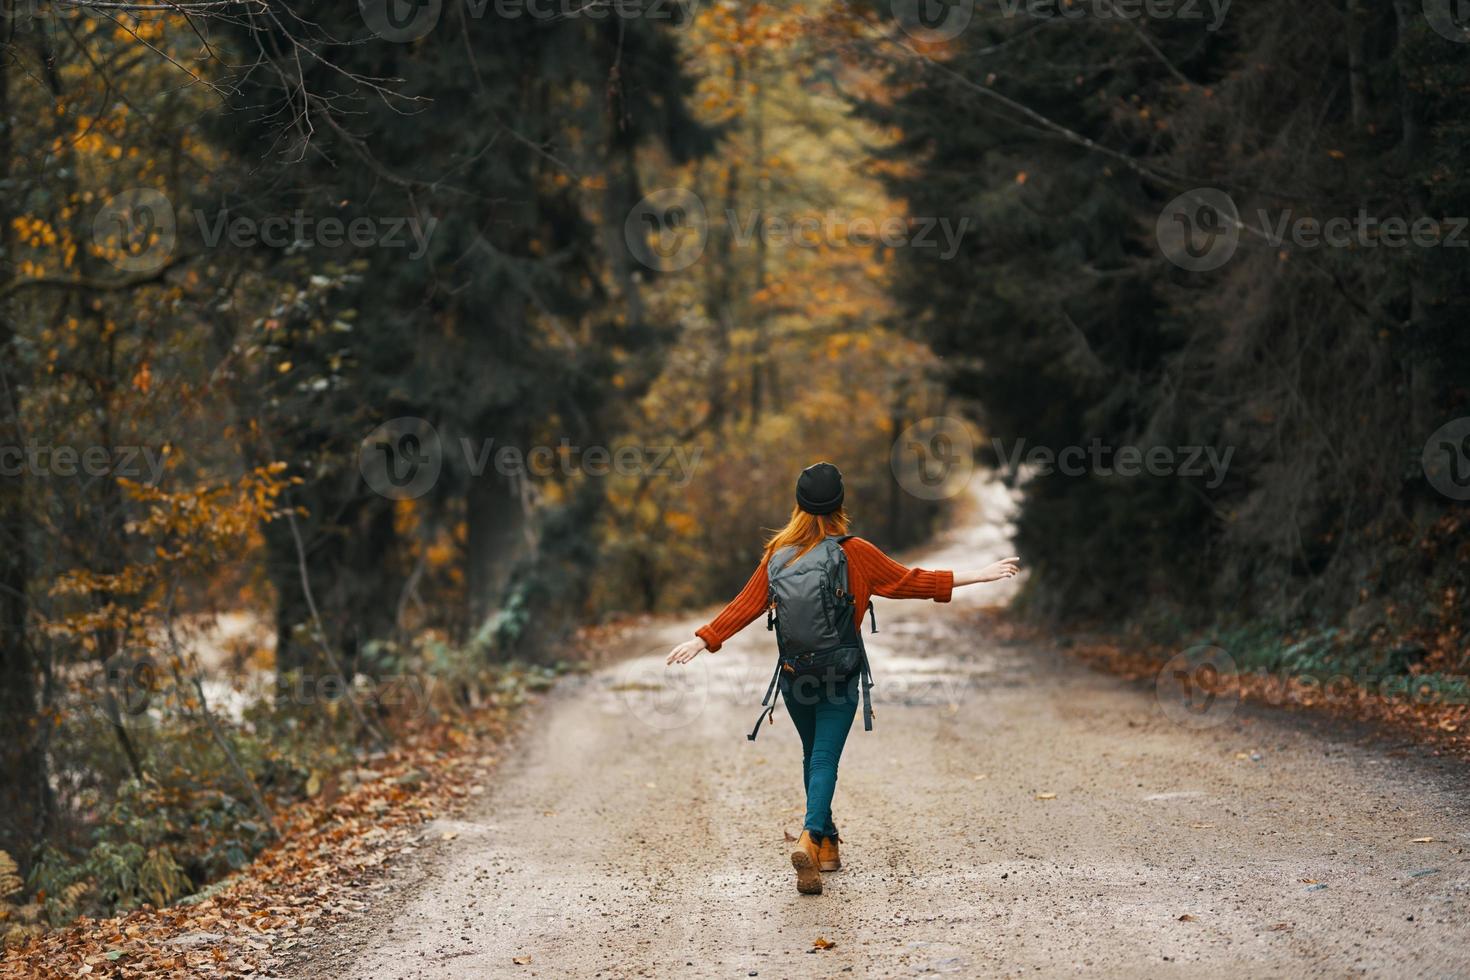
pixel 819 489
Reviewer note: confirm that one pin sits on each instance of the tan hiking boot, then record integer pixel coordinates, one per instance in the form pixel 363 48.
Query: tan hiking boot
pixel 827 857
pixel 805 860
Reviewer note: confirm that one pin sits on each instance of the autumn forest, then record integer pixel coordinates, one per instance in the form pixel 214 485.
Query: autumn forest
pixel 368 368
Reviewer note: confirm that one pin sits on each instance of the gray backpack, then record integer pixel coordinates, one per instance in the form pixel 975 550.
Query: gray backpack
pixel 811 611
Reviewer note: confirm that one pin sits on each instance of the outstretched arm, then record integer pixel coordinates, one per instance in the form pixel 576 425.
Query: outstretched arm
pixel 892 580
pixel 740 612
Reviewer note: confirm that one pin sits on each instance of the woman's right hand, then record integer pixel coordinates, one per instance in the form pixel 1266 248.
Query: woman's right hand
pixel 686 651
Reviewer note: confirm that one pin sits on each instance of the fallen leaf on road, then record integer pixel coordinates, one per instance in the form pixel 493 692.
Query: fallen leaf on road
pixel 1422 840
pixel 520 960
pixel 1281 927
pixel 1046 796
pixel 787 835
pixel 821 943
pixel 1308 881
pixel 1186 917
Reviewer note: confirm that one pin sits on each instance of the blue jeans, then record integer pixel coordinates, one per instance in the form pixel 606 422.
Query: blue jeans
pixel 822 713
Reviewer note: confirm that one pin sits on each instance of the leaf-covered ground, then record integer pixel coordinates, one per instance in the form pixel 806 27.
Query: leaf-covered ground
pixel 1426 709
pixel 291 894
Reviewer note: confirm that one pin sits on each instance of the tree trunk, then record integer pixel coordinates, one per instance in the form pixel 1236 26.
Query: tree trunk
pixel 1408 13
pixel 24 791
pixel 496 524
pixel 1357 33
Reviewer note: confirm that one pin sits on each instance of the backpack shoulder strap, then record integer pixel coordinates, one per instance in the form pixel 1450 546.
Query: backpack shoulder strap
pixel 779 558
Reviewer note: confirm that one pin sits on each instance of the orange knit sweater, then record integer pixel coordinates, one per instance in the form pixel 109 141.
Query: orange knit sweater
pixel 869 572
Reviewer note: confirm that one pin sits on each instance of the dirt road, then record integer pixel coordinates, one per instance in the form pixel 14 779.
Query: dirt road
pixel 1012 814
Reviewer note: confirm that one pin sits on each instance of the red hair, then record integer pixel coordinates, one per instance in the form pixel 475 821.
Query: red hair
pixel 806 530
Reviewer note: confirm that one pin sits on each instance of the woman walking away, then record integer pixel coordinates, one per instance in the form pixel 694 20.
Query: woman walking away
pixel 814 584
